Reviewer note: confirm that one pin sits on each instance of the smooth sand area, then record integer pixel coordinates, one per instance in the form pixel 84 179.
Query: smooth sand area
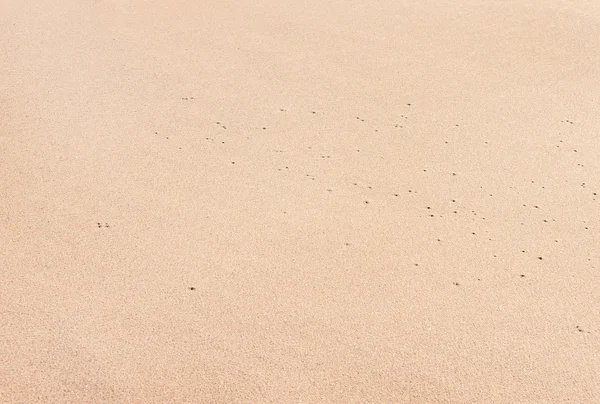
pixel 299 201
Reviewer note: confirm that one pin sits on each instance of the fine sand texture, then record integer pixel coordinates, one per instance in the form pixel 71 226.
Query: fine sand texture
pixel 299 201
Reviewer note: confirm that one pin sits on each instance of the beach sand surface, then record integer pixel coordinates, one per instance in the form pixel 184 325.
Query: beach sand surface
pixel 277 201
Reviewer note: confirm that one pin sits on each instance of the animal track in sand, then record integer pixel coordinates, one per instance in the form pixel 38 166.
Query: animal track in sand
pixel 446 177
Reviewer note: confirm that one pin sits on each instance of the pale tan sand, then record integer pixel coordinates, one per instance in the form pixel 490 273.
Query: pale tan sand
pixel 471 128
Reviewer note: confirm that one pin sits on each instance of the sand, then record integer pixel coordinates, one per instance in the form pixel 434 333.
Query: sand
pixel 277 201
